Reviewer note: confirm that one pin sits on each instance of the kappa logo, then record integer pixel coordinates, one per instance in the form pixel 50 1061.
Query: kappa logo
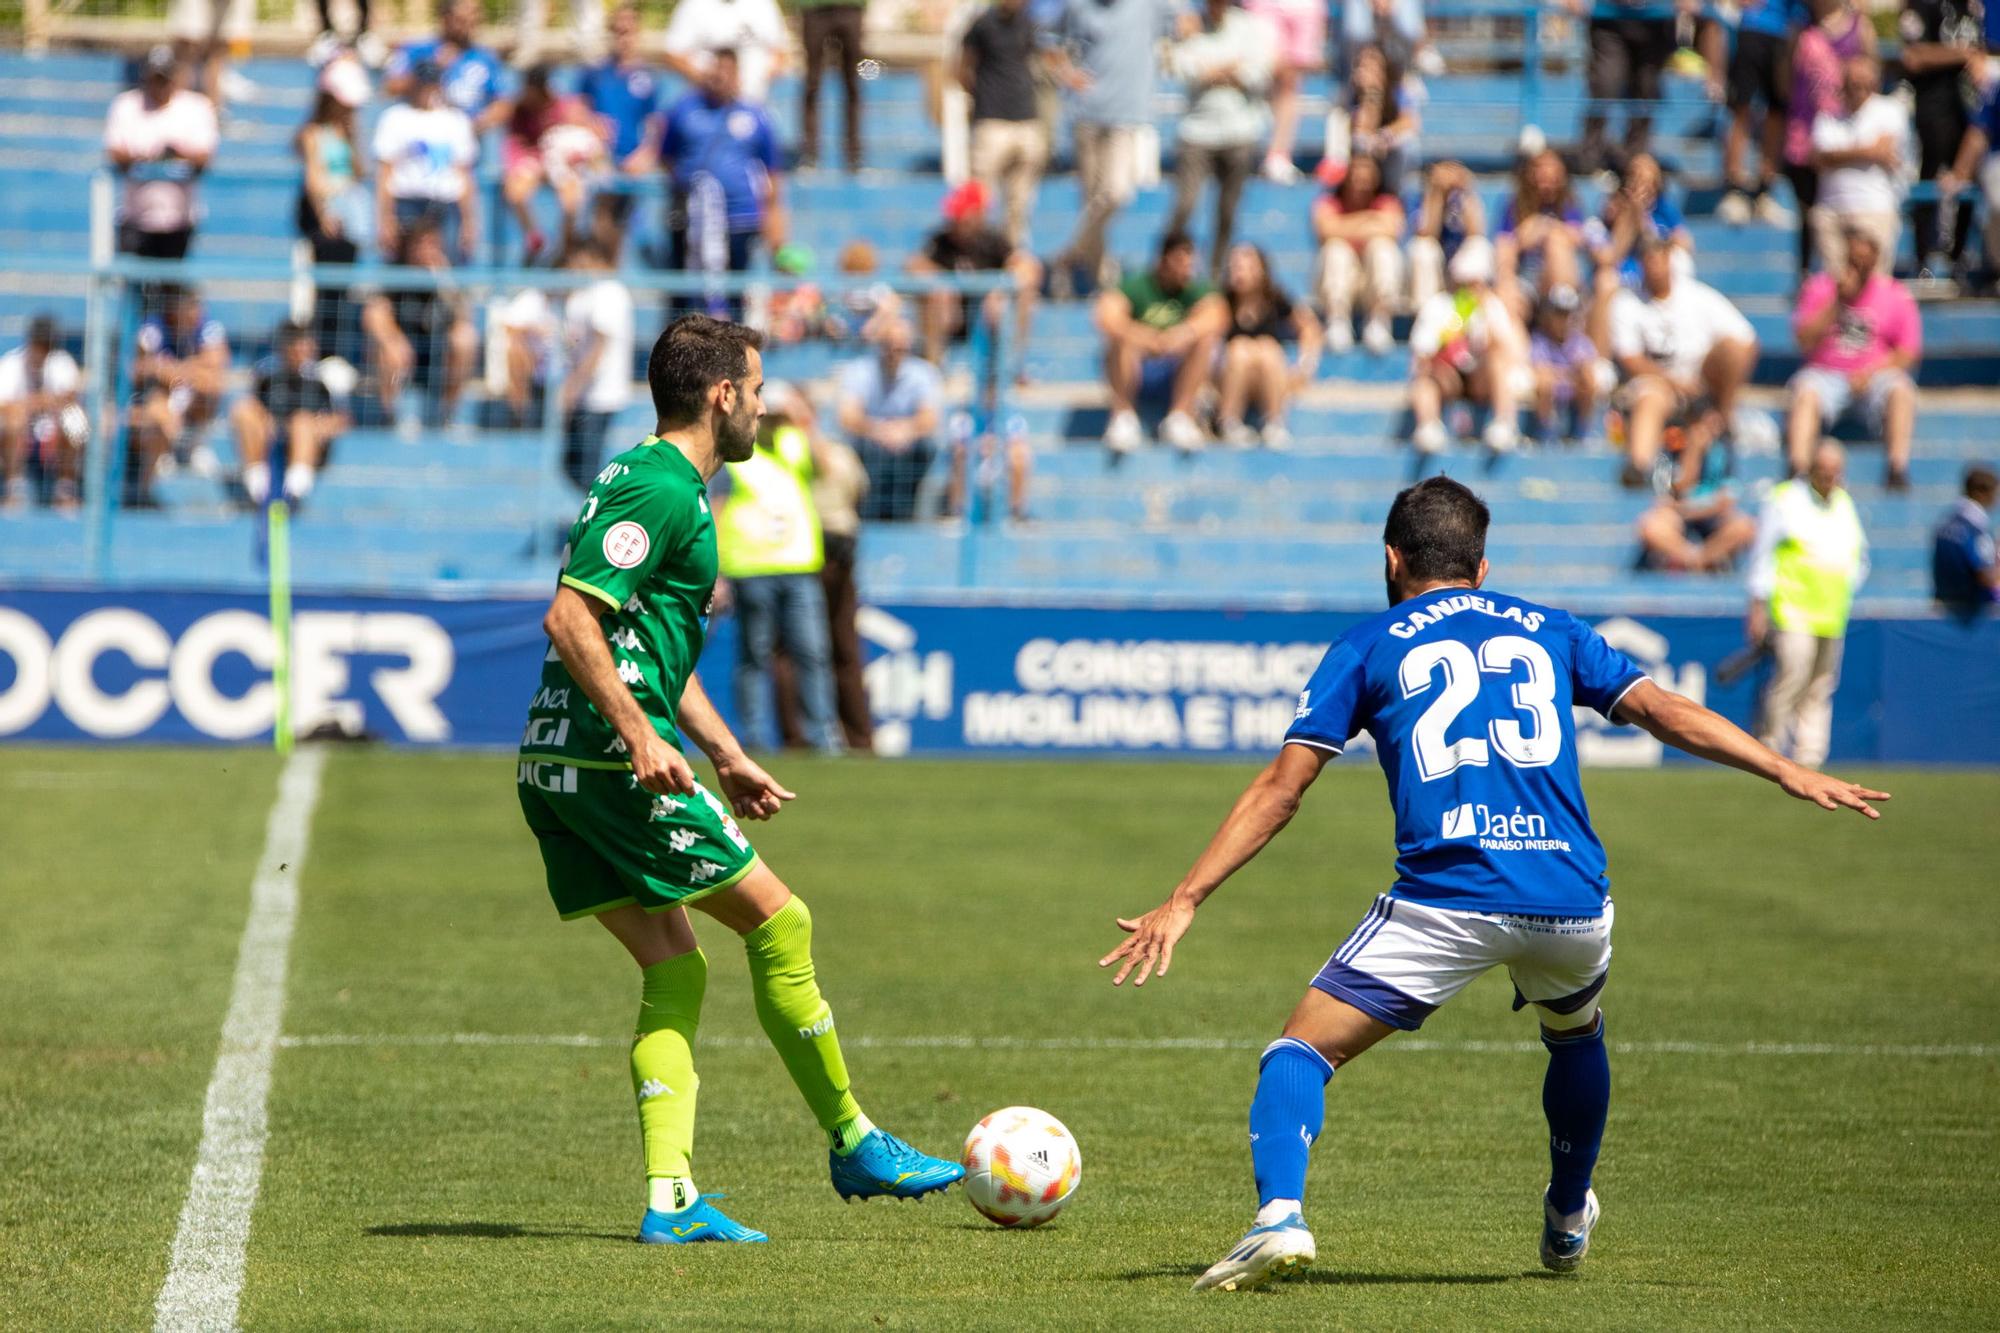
pixel 652 1088
pixel 626 544
pixel 629 672
pixel 633 606
pixel 681 838
pixel 1459 823
pixel 626 638
pixel 704 871
pixel 617 746
pixel 664 806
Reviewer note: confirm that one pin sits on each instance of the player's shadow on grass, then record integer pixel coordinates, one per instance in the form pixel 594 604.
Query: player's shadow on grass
pixel 488 1231
pixel 1336 1278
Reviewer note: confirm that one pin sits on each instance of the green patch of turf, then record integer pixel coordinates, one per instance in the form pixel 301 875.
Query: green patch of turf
pixel 496 1186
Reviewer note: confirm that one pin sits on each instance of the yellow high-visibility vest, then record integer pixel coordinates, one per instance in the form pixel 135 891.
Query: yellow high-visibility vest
pixel 1815 561
pixel 769 525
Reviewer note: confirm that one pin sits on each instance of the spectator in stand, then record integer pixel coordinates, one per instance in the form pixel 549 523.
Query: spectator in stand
pixel 1397 26
pixel 1358 227
pixel 421 335
pixel 334 207
pixel 1978 161
pixel 1858 152
pixel 1378 121
pixel 1448 213
pixel 1696 526
pixel 1965 573
pixel 831 31
pixel 1861 336
pixel 1540 232
pixel 473 78
pixel 1810 557
pixel 1683 351
pixel 1225 58
pixel 528 336
pixel 1105 54
pixel 159 138
pixel 1836 34
pixel 768 537
pixel 364 43
pixel 1630 43
pixel 721 154
pixel 553 139
pixel 1757 74
pixel 1940 52
pixel 1010 145
pixel 598 369
pixel 289 408
pixel 968 243
pixel 891 404
pixel 839 484
pixel 178 376
pixel 1299 27
pixel 1161 329
pixel 1466 344
pixel 42 421
pixel 1639 207
pixel 1571 374
pixel 626 93
pixel 1253 370
pixel 752 31
pixel 424 153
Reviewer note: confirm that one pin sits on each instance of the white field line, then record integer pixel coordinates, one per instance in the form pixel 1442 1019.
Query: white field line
pixel 1971 1050
pixel 205 1279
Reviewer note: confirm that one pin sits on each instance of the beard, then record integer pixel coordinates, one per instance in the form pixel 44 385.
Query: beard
pixel 736 435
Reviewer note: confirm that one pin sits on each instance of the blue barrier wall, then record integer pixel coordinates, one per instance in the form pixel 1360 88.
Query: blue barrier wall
pixel 109 665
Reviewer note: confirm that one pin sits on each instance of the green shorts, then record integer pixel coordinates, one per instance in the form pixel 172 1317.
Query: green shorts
pixel 606 841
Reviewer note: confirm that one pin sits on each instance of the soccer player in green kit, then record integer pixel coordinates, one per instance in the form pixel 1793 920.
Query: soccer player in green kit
pixel 628 834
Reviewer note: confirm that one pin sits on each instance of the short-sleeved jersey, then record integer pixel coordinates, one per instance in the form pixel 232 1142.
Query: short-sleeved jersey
pixel 644 545
pixel 1468 696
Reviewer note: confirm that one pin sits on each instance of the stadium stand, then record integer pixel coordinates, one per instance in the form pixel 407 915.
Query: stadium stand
pixel 464 504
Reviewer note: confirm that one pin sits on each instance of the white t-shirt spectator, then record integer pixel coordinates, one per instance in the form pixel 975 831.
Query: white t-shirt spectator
pixel 1678 331
pixel 159 185
pixel 1233 111
pixel 1862 189
pixel 754 29
pixel 605 309
pixel 59 375
pixel 527 313
pixel 427 152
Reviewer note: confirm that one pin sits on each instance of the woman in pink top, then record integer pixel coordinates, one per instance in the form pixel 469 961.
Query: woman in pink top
pixel 1837 31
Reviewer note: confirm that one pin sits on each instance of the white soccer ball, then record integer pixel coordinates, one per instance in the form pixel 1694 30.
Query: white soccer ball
pixel 1021 1166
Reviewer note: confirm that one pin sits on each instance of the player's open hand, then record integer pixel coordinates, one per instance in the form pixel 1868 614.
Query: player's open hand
pixel 752 793
pixel 1831 793
pixel 1149 945
pixel 660 768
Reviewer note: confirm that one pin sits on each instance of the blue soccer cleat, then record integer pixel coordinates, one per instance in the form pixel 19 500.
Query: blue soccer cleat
pixel 1277 1252
pixel 1563 1250
pixel 883 1164
pixel 693 1225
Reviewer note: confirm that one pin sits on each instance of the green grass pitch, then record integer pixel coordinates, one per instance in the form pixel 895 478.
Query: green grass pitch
pixel 1803 1183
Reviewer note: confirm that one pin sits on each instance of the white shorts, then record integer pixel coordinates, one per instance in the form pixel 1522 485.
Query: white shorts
pixel 1406 959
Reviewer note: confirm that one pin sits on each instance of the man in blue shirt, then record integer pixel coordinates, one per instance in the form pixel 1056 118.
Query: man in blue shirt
pixel 722 155
pixel 1965 575
pixel 890 406
pixel 1468 696
pixel 476 80
pixel 625 91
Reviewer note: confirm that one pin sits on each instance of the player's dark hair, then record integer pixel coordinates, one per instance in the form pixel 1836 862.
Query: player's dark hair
pixel 692 355
pixel 1981 483
pixel 1439 526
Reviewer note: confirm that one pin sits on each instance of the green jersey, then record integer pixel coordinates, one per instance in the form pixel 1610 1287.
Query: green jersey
pixel 1153 307
pixel 644 545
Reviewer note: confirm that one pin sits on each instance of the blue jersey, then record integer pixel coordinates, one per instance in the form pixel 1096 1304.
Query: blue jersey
pixel 1468 696
pixel 1961 553
pixel 627 96
pixel 472 82
pixel 732 144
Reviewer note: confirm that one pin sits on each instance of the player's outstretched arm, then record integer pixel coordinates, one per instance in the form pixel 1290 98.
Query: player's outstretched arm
pixel 752 793
pixel 571 624
pixel 1684 724
pixel 1265 807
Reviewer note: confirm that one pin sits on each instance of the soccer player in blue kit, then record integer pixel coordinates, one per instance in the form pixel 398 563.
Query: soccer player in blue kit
pixel 1468 695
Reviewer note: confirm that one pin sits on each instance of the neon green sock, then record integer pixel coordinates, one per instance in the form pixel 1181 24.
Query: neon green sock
pixel 663 1076
pixel 797 1020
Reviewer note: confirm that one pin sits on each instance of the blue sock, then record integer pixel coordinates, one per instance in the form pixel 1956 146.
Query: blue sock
pixel 1575 1096
pixel 1286 1116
